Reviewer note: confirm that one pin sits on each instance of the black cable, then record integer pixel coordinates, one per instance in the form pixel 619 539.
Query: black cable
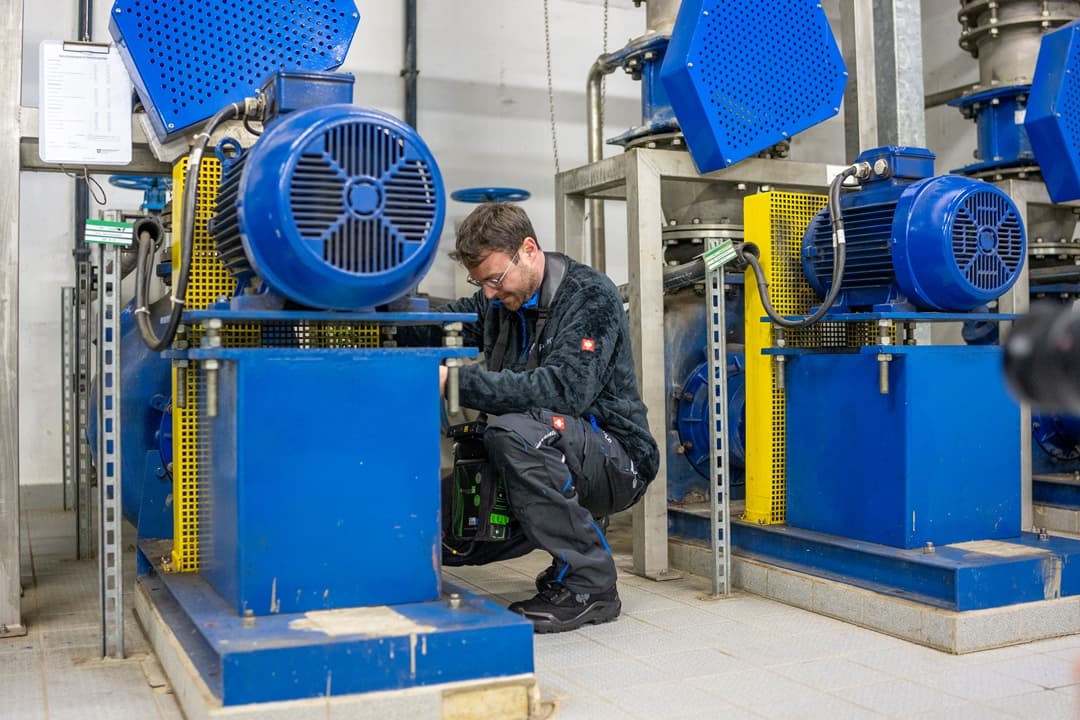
pixel 749 253
pixel 187 235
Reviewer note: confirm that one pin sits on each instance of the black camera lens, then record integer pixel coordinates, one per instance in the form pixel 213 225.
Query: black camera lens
pixel 1042 357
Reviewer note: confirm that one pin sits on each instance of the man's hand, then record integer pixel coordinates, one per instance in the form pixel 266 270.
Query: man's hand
pixel 443 372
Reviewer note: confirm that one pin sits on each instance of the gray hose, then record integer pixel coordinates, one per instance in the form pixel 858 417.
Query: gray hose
pixel 187 241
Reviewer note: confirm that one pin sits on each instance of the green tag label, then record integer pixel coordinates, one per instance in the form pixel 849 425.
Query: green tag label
pixel 721 254
pixel 107 232
pixel 497 519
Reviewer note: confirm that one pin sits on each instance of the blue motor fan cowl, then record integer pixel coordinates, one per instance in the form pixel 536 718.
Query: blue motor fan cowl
pixel 337 207
pixel 947 244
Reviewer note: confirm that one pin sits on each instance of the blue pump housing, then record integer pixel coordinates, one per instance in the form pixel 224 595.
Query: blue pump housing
pixel 915 241
pixel 336 207
pixel 692 418
pixel 146 430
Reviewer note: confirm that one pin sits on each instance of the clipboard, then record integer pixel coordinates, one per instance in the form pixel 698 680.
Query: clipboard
pixel 84 104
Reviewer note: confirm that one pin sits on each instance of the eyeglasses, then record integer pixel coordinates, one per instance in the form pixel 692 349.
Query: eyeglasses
pixel 495 283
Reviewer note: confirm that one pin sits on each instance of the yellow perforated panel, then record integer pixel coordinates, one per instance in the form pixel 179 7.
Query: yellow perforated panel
pixel 776 222
pixel 208 281
pixel 341 335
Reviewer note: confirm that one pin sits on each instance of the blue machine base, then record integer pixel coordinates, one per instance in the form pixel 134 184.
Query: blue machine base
pixel 1059 491
pixel 271 661
pixel 955 577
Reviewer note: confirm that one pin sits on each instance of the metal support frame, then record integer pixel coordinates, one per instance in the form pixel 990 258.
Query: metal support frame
pixel 719 502
pixel 11 15
pixel 645 260
pixel 636 176
pixel 84 499
pixel 110 557
pixel 900 92
pixel 1028 196
pixel 884 100
pixel 143 161
pixel 858 48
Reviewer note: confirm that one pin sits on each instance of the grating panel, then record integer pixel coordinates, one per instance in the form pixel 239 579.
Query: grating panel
pixel 776 222
pixel 208 281
pixel 320 334
pixel 188 59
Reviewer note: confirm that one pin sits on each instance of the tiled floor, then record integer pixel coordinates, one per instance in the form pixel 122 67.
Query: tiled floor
pixel 56 671
pixel 672 655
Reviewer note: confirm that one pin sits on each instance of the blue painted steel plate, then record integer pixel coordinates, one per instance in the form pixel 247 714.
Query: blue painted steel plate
pixel 906 315
pixel 291 657
pixel 956 578
pixel 936 460
pixel 1053 112
pixel 397 318
pixel 320 494
pixel 187 60
pixel 745 75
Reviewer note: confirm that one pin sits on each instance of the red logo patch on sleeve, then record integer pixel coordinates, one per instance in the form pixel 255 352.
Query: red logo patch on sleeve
pixel 588 344
pixel 558 422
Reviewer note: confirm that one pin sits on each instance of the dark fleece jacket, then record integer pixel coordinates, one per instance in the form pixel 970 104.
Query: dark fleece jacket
pixel 586 366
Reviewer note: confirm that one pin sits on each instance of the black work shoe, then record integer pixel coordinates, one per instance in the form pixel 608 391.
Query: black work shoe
pixel 558 609
pixel 547 578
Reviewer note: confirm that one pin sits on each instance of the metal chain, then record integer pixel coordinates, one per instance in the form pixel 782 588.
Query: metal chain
pixel 550 85
pixel 603 80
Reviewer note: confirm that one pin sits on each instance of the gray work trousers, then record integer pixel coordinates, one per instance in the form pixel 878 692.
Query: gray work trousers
pixel 561 473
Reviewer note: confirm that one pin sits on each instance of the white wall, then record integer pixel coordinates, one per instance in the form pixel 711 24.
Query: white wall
pixel 482 108
pixel 482 93
pixel 46 215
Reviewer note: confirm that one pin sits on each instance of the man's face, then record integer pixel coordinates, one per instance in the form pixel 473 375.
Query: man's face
pixel 510 279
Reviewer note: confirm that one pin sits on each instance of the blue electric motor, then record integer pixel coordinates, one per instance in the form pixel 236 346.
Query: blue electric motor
pixel 915 241
pixel 336 207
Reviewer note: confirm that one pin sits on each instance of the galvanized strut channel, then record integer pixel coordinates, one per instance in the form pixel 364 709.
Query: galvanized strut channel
pixel 109 465
pixel 719 521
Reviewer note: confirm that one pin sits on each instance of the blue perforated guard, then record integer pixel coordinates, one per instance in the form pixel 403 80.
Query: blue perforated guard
pixel 188 59
pixel 1053 112
pixel 745 75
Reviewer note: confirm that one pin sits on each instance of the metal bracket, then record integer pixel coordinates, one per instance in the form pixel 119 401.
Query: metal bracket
pixel 110 545
pixel 84 503
pixel 68 437
pixel 719 522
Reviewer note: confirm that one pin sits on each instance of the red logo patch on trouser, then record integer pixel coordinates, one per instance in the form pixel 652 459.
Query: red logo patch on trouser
pixel 558 422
